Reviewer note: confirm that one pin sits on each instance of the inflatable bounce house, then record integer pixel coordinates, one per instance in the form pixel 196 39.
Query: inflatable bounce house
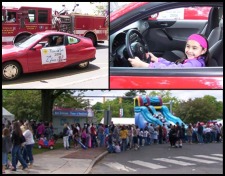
pixel 151 110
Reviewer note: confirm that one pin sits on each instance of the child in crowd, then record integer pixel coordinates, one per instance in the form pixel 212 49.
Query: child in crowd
pixel 146 135
pixel 196 50
pixel 117 148
pixel 6 148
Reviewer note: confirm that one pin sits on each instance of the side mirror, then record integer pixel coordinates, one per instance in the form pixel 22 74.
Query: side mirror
pixel 37 47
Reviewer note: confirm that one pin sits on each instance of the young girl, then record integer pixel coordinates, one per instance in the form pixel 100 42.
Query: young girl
pixel 196 51
pixel 16 139
pixel 6 147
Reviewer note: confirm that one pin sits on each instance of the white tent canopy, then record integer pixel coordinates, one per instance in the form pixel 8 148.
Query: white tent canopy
pixel 6 115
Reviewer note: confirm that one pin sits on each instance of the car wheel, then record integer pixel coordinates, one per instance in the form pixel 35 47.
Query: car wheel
pixel 11 71
pixel 83 65
pixel 39 146
pixel 51 147
pixel 93 38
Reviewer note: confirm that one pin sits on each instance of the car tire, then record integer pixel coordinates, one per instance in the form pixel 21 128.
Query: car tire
pixel 93 38
pixel 11 71
pixel 83 65
pixel 39 146
pixel 51 147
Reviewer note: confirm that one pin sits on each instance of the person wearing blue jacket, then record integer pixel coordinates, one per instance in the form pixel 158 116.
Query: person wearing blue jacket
pixel 196 51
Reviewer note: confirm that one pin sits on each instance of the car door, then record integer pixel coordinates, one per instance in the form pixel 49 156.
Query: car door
pixel 171 28
pixel 76 52
pixel 34 62
pixel 46 58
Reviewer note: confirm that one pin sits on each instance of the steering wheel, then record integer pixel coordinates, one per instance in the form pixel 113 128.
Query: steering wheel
pixel 137 48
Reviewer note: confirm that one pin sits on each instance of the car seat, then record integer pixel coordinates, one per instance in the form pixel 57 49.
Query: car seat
pixel 213 21
pixel 214 28
pixel 216 53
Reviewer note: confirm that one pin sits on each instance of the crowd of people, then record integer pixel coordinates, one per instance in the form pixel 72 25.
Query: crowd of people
pixel 19 138
pixel 119 138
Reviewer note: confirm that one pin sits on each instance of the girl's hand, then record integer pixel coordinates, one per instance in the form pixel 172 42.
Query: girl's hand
pixel 153 58
pixel 136 62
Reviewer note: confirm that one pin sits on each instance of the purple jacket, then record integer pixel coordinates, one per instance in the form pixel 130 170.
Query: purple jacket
pixel 163 63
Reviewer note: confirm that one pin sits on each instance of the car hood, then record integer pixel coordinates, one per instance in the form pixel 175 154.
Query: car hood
pixel 9 50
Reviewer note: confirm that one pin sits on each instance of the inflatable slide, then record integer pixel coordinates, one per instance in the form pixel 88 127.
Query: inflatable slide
pixel 142 114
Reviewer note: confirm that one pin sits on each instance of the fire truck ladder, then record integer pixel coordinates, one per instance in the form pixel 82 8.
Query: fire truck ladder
pixel 65 24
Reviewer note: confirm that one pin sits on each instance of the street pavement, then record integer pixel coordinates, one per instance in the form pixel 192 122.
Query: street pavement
pixel 61 161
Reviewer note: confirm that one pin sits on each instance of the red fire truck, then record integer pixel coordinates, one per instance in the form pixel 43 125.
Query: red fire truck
pixel 18 23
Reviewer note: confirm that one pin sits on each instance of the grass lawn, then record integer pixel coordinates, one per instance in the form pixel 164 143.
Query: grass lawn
pixel 36 150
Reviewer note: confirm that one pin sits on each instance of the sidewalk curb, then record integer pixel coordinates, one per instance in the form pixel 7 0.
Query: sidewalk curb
pixel 95 161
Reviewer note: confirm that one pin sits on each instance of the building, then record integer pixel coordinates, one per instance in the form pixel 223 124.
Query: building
pixel 71 116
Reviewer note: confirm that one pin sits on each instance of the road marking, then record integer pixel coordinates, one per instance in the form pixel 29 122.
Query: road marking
pixel 146 164
pixel 221 155
pixel 174 161
pixel 83 80
pixel 195 159
pixel 209 157
pixel 119 166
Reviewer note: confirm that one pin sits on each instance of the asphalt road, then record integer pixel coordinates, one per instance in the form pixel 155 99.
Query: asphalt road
pixel 162 159
pixel 96 76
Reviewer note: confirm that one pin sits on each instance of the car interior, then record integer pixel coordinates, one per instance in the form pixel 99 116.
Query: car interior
pixel 166 36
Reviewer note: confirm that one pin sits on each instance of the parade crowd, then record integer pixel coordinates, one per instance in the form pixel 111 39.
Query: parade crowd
pixel 18 138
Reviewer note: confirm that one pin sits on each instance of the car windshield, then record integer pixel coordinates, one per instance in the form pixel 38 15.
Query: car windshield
pixel 117 5
pixel 29 40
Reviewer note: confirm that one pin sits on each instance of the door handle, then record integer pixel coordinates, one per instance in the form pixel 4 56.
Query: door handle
pixel 164 24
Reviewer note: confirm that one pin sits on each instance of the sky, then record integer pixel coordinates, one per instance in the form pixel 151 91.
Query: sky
pixel 84 7
pixel 179 94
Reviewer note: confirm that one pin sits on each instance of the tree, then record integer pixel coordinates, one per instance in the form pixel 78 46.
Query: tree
pixel 24 104
pixel 101 8
pixel 199 109
pixel 98 110
pixel 48 99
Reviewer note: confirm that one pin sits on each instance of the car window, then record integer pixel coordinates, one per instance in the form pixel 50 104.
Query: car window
pixel 28 40
pixel 72 40
pixel 189 13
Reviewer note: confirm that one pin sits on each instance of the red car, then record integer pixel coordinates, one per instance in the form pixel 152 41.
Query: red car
pixel 46 51
pixel 135 24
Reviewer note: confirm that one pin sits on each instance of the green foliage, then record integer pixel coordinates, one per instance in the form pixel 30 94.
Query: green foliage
pixel 199 109
pixel 101 8
pixel 98 111
pixel 38 104
pixel 24 104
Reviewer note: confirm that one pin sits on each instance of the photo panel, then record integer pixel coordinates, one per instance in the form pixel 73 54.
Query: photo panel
pixel 177 126
pixel 55 45
pixel 151 45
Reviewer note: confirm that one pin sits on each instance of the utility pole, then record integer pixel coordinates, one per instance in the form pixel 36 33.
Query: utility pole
pixel 171 104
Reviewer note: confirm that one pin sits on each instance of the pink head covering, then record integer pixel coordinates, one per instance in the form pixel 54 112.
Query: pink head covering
pixel 198 38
